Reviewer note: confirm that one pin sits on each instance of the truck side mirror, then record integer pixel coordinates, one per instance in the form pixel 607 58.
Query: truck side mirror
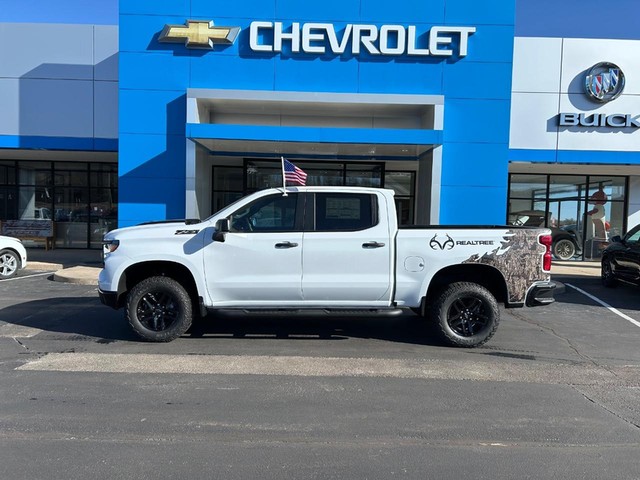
pixel 222 227
pixel 616 239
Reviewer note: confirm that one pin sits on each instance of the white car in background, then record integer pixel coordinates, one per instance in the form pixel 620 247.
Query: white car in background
pixel 13 256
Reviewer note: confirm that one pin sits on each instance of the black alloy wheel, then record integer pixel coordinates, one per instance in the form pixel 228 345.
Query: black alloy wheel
pixel 159 309
pixel 466 313
pixel 467 316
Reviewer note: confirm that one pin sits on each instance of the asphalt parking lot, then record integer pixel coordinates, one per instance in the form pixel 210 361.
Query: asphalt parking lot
pixel 553 395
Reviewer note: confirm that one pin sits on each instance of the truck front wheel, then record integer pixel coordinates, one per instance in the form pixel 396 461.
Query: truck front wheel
pixel 466 313
pixel 159 309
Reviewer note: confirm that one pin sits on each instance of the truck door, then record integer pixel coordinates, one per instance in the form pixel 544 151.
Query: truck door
pixel 347 249
pixel 260 261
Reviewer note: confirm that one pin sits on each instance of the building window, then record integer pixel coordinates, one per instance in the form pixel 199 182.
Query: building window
pixel 81 198
pixel 404 186
pixel 589 209
pixel 230 183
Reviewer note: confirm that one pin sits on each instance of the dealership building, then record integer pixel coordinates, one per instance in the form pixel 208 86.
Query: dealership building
pixel 473 115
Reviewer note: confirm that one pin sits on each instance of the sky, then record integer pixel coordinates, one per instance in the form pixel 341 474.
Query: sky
pixel 97 12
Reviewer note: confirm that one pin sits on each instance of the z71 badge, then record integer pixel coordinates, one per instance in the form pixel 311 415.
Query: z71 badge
pixel 186 232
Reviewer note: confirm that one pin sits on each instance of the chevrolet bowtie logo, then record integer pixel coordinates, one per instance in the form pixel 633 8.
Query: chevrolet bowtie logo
pixel 199 34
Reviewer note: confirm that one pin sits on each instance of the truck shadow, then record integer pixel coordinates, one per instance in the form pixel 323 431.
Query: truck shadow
pixel 405 328
pixel 80 318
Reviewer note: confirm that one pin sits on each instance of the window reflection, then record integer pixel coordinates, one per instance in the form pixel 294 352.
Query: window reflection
pixel 79 197
pixel 589 208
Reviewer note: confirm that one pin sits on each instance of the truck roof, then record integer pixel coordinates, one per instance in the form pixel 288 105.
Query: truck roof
pixel 289 188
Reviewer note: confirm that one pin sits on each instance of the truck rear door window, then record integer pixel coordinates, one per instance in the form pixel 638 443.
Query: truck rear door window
pixel 345 211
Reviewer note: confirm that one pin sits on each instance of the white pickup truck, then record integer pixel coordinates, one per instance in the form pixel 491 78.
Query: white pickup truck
pixel 328 248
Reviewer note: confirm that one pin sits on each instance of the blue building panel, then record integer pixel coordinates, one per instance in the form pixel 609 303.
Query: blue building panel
pixel 470 205
pixel 403 11
pixel 165 112
pixel 229 10
pixel 143 199
pixel 153 71
pixel 33 142
pixel 477 121
pixel 232 72
pixel 491 43
pixel 311 75
pixel 423 76
pixel 476 89
pixel 598 157
pixel 325 11
pixel 152 156
pixel 475 164
pixel 478 80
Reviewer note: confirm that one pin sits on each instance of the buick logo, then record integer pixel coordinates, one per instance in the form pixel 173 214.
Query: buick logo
pixel 604 82
pixel 442 244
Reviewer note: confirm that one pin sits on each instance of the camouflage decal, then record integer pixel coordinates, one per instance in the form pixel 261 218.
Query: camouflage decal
pixel 519 258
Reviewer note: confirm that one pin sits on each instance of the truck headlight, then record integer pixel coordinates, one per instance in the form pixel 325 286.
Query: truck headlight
pixel 109 246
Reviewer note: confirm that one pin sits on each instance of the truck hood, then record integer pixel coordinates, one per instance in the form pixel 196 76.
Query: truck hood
pixel 163 228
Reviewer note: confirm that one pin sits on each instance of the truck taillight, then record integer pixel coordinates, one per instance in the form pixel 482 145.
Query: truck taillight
pixel 546 240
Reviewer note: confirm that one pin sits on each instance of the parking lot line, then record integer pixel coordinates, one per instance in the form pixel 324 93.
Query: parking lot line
pixel 26 276
pixel 605 304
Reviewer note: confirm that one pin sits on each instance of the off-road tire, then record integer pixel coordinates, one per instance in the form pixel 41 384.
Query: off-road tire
pixel 159 309
pixel 466 314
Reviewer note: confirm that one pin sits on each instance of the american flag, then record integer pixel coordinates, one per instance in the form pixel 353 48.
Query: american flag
pixel 293 174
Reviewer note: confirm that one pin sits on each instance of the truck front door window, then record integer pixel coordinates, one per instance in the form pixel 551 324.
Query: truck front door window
pixel 271 214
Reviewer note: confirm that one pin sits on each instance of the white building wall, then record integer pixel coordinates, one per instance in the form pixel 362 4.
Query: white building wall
pixel 548 79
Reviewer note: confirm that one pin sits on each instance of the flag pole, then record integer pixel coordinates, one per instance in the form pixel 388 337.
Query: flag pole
pixel 284 179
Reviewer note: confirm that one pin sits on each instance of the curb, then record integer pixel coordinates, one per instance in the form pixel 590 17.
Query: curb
pixel 78 275
pixel 45 266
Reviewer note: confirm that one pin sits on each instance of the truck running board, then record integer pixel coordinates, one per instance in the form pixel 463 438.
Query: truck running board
pixel 314 311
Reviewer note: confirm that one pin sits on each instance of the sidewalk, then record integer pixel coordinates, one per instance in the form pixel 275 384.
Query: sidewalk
pixel 80 266
pixel 83 266
pixel 572 268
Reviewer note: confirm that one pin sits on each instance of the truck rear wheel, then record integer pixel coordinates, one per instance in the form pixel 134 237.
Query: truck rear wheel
pixel 466 313
pixel 159 309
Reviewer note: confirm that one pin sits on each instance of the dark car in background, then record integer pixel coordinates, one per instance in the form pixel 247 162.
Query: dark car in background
pixel 621 259
pixel 566 240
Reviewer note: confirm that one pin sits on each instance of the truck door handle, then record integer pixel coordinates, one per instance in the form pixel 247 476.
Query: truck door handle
pixel 372 245
pixel 286 245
